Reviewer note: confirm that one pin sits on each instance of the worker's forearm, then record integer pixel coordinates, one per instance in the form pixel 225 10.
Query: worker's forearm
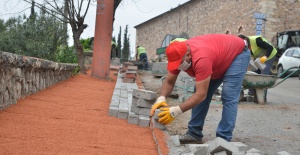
pixel 166 89
pixel 192 102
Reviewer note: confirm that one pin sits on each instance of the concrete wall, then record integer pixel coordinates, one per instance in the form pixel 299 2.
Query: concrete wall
pixel 21 76
pixel 198 17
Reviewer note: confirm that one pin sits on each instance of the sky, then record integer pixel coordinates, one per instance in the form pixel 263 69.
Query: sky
pixel 129 12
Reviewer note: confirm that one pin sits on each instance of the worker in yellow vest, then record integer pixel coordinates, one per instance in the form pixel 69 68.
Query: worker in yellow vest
pixel 141 55
pixel 261 48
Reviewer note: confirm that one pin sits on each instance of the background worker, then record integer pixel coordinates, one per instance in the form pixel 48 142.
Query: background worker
pixel 212 59
pixel 261 48
pixel 141 55
pixel 114 50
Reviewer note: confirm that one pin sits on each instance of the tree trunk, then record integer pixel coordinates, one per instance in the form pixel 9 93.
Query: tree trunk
pixel 79 50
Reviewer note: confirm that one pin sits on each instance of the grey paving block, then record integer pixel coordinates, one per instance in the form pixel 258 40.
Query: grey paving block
pixel 221 153
pixel 175 140
pixel 144 94
pixel 242 147
pixel 158 125
pixel 219 145
pixel 253 150
pixel 134 109
pixel 123 111
pixel 189 83
pixel 283 153
pixel 144 111
pixel 113 111
pixel 134 101
pixel 144 121
pixel 199 149
pixel 133 118
pixel 144 103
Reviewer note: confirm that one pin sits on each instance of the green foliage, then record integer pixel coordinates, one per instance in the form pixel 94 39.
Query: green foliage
pixel 119 41
pixel 36 37
pixel 76 70
pixel 86 44
pixel 66 55
pixel 126 45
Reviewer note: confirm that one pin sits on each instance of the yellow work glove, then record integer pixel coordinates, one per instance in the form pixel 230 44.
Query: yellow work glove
pixel 263 59
pixel 160 102
pixel 168 114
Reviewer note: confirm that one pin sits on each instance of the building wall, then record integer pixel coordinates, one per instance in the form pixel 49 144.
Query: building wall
pixel 198 17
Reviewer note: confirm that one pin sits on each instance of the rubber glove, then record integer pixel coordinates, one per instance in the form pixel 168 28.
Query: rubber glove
pixel 263 59
pixel 168 114
pixel 160 102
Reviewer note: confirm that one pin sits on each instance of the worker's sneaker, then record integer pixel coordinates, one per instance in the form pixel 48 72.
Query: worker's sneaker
pixel 188 139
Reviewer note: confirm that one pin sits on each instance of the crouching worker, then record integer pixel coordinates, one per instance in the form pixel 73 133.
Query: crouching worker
pixel 212 59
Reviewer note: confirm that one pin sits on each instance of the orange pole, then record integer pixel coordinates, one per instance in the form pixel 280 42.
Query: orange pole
pixel 102 39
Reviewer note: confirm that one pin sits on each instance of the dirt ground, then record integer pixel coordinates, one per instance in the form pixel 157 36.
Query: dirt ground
pixel 270 128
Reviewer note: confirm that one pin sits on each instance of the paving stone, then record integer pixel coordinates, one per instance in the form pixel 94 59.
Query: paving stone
pixel 155 122
pixel 133 118
pixel 123 111
pixel 175 140
pixel 198 149
pixel 219 145
pixel 134 101
pixel 283 153
pixel 253 150
pixel 221 153
pixel 113 111
pixel 144 94
pixel 144 111
pixel 144 121
pixel 242 147
pixel 144 103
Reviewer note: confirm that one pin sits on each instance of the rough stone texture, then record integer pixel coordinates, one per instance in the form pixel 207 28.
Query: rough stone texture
pixel 155 122
pixel 144 121
pixel 199 17
pixel 219 144
pixel 133 118
pixel 21 76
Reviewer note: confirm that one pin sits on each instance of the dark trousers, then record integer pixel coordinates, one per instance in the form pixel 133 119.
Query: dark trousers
pixel 144 59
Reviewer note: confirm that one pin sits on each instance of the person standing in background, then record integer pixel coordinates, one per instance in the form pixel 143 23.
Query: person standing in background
pixel 141 55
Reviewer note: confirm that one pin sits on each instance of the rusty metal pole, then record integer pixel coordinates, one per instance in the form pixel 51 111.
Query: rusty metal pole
pixel 102 39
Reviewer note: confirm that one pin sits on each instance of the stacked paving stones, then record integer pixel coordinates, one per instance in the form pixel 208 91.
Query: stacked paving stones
pixel 159 69
pixel 129 72
pixel 218 146
pixel 133 104
pixel 184 86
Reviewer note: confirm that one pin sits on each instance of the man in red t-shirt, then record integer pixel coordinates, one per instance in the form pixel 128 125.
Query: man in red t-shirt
pixel 212 59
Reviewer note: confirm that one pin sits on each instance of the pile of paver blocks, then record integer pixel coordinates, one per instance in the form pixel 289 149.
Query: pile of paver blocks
pixel 130 103
pixel 128 72
pixel 159 69
pixel 218 146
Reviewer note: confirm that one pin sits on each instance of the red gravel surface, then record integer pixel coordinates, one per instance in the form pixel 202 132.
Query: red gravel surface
pixel 71 117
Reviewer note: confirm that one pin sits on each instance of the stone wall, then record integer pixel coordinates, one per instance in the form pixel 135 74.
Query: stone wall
pixel 21 76
pixel 198 17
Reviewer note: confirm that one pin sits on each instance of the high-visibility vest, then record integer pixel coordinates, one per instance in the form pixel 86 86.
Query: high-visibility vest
pixel 178 39
pixel 258 51
pixel 141 50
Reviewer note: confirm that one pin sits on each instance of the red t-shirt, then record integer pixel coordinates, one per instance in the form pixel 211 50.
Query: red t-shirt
pixel 212 55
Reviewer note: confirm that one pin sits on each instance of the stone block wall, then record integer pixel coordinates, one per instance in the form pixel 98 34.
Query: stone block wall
pixel 198 17
pixel 21 76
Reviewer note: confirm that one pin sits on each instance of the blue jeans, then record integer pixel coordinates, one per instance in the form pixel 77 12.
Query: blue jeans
pixel 144 59
pixel 232 84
